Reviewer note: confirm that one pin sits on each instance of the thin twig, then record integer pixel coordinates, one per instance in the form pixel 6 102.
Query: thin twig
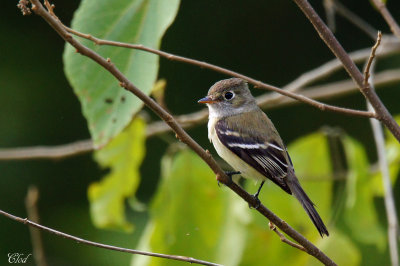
pixel 100 245
pixel 36 236
pixel 327 36
pixel 180 133
pixel 256 83
pixel 47 152
pixel 381 6
pixel 266 101
pixel 284 239
pixel 371 59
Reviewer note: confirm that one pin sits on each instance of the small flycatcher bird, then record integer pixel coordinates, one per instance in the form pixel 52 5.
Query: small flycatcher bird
pixel 246 138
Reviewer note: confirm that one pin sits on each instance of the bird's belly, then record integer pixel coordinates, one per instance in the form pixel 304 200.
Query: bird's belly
pixel 233 160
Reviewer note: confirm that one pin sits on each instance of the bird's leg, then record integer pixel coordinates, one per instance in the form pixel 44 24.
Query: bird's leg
pixel 255 196
pixel 230 174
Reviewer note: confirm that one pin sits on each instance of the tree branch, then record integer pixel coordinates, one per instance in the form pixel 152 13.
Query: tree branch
pixel 266 101
pixel 327 36
pixel 256 83
pixel 47 152
pixel 96 244
pixel 180 133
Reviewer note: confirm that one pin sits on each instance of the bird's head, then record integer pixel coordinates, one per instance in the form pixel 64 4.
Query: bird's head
pixel 229 97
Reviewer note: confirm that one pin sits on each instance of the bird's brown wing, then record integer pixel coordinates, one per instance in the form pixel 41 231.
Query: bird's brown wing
pixel 266 156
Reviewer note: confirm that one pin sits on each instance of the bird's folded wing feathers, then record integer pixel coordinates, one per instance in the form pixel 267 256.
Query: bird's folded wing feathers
pixel 266 156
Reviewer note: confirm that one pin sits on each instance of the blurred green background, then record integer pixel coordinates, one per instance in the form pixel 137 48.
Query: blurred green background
pixel 268 40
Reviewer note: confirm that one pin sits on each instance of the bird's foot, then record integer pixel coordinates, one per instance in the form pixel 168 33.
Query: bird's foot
pixel 255 196
pixel 257 200
pixel 230 174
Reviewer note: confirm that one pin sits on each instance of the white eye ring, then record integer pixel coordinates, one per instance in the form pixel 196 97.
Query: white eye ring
pixel 229 95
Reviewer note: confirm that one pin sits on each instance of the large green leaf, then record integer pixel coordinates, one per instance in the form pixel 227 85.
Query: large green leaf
pixel 123 155
pixel 192 216
pixel 107 107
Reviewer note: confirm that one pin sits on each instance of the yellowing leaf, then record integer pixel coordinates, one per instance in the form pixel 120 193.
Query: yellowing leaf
pixel 123 155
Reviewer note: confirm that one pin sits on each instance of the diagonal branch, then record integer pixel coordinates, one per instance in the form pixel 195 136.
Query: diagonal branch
pixel 327 36
pixel 96 244
pixel 180 133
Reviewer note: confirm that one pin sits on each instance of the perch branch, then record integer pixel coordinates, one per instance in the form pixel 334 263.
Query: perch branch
pixel 100 245
pixel 180 133
pixel 327 36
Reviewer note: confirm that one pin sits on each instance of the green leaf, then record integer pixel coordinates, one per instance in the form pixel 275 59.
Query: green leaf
pixel 107 107
pixel 192 216
pixel 360 214
pixel 123 155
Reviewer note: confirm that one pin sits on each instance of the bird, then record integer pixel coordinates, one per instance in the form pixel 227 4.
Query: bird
pixel 244 136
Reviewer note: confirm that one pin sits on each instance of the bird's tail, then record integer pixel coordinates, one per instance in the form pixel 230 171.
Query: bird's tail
pixel 307 204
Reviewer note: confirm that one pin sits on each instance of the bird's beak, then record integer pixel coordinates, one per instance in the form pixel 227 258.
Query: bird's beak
pixel 206 100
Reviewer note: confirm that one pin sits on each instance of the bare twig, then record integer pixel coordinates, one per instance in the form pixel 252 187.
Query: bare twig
pixel 266 101
pixel 256 83
pixel 284 239
pixel 100 245
pixel 180 133
pixel 394 27
pixel 327 36
pixel 46 152
pixel 33 215
pixel 371 59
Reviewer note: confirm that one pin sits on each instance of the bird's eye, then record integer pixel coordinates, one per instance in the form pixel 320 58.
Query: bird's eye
pixel 229 95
